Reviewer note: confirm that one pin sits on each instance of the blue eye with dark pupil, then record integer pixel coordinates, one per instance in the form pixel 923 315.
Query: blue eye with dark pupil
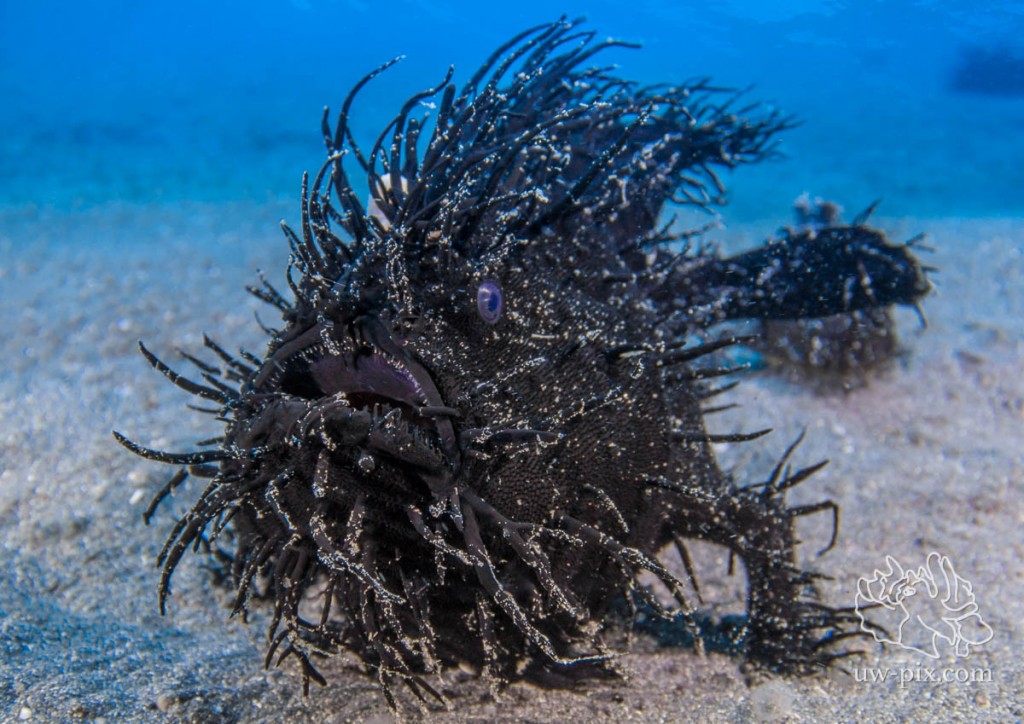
pixel 488 301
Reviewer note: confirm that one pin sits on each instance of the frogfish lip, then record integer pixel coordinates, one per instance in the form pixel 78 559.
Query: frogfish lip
pixel 369 374
pixel 313 366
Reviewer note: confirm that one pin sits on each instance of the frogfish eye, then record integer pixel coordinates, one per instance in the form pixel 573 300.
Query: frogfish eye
pixel 488 301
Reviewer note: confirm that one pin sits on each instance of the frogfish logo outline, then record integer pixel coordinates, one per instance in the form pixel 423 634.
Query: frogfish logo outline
pixel 927 609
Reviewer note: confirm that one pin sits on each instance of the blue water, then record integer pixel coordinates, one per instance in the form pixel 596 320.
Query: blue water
pixel 216 101
pixel 138 135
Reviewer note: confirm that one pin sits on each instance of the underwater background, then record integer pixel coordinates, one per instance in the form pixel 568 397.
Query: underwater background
pixel 164 101
pixel 148 151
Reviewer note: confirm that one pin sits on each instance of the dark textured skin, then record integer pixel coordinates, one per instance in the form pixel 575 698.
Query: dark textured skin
pixel 843 350
pixel 411 484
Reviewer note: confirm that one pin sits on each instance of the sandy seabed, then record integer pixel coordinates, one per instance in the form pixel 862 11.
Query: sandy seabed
pixel 927 457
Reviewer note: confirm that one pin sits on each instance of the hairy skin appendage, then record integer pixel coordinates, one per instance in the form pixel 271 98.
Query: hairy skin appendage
pixel 483 414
